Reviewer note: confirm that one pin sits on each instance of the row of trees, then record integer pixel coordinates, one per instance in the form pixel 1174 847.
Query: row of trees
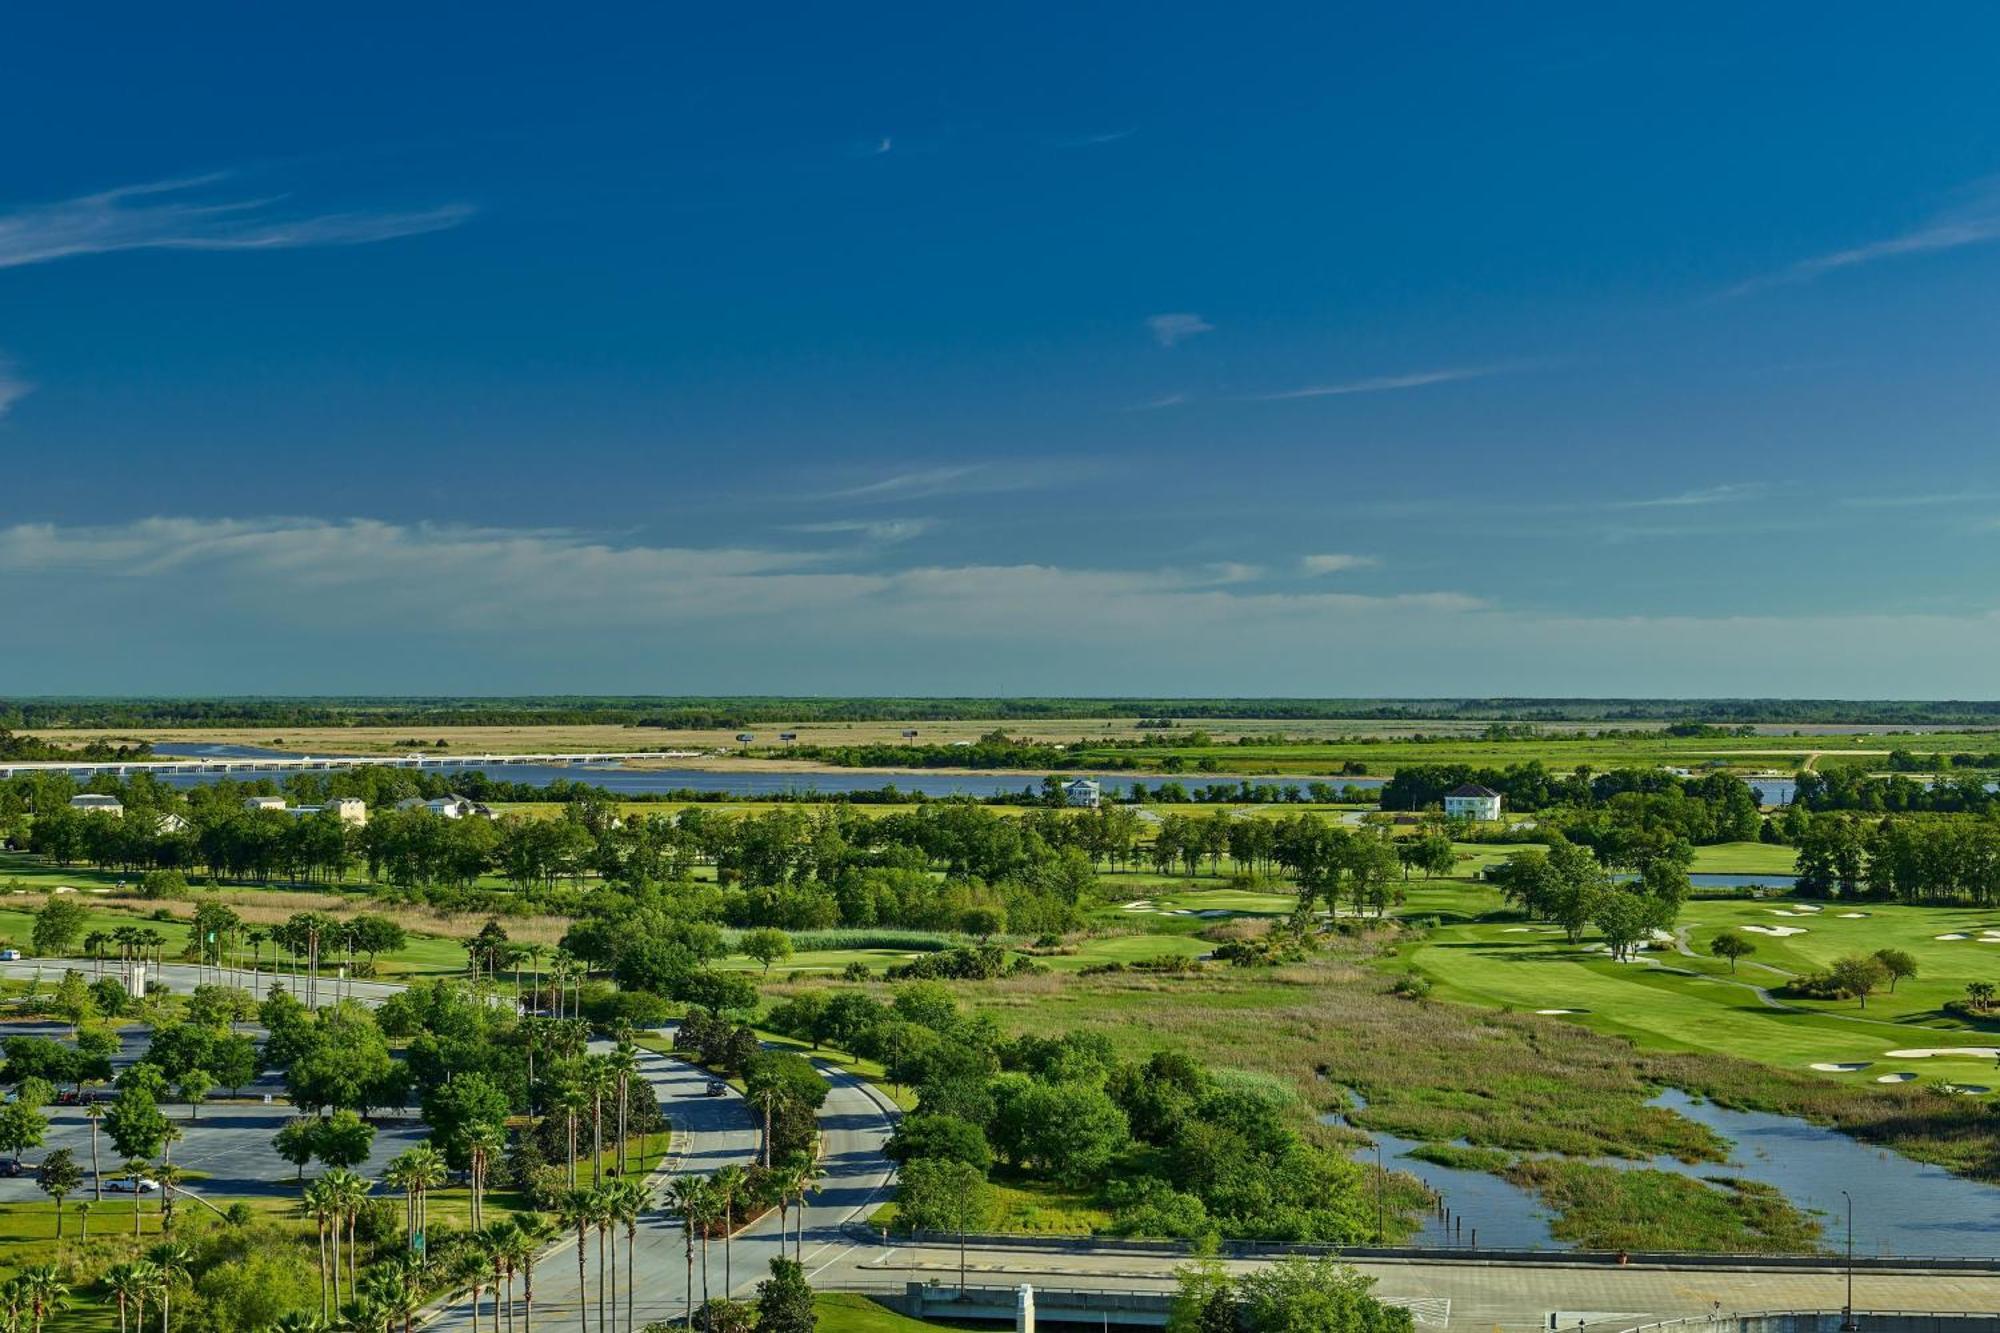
pixel 1928 860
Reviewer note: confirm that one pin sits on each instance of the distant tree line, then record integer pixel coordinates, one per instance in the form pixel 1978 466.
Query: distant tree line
pixel 723 712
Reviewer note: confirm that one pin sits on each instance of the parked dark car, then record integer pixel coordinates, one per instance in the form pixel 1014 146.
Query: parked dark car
pixel 11 1166
pixel 716 1087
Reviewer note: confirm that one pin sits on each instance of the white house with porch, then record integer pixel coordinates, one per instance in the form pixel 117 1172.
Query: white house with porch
pixel 1472 801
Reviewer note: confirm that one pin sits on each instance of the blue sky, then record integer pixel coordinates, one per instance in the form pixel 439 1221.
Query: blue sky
pixel 1092 349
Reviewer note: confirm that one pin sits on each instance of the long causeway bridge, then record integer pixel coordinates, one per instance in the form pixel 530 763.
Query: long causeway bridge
pixel 296 763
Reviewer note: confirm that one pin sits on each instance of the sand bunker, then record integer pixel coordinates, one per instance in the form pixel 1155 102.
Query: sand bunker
pixel 1900 1076
pixel 1947 1052
pixel 1517 930
pixel 1847 1067
pixel 1807 908
pixel 1783 911
pixel 1562 1011
pixel 1967 1089
pixel 1851 916
pixel 1954 935
pixel 1779 931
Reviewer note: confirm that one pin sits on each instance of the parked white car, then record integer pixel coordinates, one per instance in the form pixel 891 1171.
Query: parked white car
pixel 132 1185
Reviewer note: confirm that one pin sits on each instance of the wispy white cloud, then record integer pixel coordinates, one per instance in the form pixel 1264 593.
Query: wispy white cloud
pixel 287 571
pixel 886 530
pixel 12 387
pixel 164 215
pixel 1157 404
pixel 1177 326
pixel 1933 500
pixel 1335 563
pixel 1094 140
pixel 1381 383
pixel 1975 221
pixel 1729 493
pixel 957 479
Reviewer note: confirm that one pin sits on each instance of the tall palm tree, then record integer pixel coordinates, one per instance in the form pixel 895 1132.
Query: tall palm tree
pixel 136 1168
pixel 396 1288
pixel 533 953
pixel 571 1097
pixel 574 1212
pixel 629 1201
pixel 128 1285
pixel 624 1065
pixel 350 1193
pixel 47 1292
pixel 401 1174
pixel 685 1196
pixel 531 1231
pixel 728 1184
pixel 94 1112
pixel 497 1242
pixel 598 1080
pixel 170 1134
pixel 173 1263
pixel 766 1099
pixel 475 1266
pixel 482 1144
pixel 806 1173
pixel 605 1220
pixel 428 1170
pixel 324 1209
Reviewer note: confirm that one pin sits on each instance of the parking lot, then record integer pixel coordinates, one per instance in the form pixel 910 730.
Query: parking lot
pixel 229 1145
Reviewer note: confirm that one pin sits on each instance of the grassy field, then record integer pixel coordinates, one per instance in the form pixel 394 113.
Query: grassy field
pixel 1305 748
pixel 434 947
pixel 849 1312
pixel 1673 1001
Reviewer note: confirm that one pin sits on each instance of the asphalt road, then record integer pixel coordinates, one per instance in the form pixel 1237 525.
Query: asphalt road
pixel 719 1130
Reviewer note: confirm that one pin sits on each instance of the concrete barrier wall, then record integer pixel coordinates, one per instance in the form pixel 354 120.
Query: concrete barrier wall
pixel 1829 1321
pixel 1468 1255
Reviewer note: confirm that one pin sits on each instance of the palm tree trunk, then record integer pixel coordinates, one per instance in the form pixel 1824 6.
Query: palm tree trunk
pixel 631 1244
pixel 582 1285
pixel 528 1296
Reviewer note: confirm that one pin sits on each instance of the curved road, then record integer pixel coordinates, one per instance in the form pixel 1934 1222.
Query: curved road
pixel 856 1121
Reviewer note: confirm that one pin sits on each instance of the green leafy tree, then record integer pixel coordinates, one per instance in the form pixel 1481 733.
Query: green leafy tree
pixel 1897 964
pixel 22 1126
pixel 233 1061
pixel 297 1140
pixel 194 1087
pixel 1732 945
pixel 785 1300
pixel 1858 975
pixel 767 945
pixel 1315 1296
pixel 343 1140
pixel 73 1001
pixel 58 926
pixel 59 1176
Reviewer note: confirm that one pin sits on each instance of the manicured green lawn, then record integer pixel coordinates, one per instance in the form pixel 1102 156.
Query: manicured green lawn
pixel 849 1312
pixel 1673 1001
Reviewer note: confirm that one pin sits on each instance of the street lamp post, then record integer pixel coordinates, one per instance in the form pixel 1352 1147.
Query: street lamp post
pixel 1380 1181
pixel 1847 1320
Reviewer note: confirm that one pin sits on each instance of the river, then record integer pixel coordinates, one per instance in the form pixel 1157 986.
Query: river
pixel 1902 1207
